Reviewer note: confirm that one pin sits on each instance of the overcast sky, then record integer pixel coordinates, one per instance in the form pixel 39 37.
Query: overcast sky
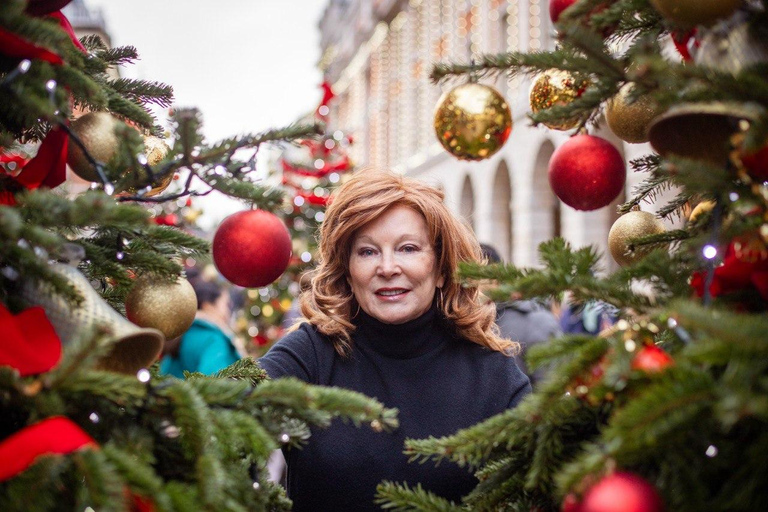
pixel 248 65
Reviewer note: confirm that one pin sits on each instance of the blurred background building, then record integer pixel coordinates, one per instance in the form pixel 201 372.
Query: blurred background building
pixel 378 54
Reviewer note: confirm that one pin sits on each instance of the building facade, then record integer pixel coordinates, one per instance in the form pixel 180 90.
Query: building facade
pixel 378 55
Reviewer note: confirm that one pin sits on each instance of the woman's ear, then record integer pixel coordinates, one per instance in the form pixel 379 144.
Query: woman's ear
pixel 441 281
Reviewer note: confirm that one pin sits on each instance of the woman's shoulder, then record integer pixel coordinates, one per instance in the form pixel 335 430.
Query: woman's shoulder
pixel 298 354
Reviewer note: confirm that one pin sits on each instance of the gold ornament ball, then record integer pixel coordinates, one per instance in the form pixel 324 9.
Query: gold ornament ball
pixel 96 130
pixel 472 121
pixel 702 207
pixel 630 121
pixel 555 87
pixel 169 307
pixel 689 13
pixel 155 150
pixel 629 226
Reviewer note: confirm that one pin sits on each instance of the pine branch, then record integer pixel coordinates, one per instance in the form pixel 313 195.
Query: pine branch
pixel 403 498
pixel 141 477
pixel 103 486
pixel 143 91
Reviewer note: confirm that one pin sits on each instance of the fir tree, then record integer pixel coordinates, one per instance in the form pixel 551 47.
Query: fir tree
pixel 674 394
pixel 75 435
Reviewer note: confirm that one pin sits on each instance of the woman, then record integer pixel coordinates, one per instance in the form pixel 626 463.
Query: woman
pixel 206 347
pixel 387 317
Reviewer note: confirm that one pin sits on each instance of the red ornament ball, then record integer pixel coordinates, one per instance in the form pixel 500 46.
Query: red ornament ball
pixel 251 248
pixel 558 6
pixel 622 492
pixel 587 172
pixel 651 359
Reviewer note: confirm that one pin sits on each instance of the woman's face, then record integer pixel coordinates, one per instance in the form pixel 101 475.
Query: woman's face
pixel 392 266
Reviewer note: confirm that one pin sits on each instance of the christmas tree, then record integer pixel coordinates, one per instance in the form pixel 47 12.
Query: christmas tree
pixel 308 172
pixel 667 408
pixel 86 423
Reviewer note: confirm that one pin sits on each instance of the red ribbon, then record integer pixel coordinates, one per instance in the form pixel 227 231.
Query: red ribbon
pixel 734 275
pixel 11 45
pixel 328 168
pixel 328 95
pixel 681 40
pixel 312 198
pixel 42 7
pixel 30 344
pixel 57 435
pixel 67 26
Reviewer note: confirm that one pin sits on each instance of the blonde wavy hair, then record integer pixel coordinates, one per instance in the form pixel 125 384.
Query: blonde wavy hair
pixel 329 304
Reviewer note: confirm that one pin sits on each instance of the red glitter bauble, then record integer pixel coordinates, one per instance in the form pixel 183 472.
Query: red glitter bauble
pixel 251 248
pixel 622 492
pixel 651 359
pixel 558 6
pixel 587 172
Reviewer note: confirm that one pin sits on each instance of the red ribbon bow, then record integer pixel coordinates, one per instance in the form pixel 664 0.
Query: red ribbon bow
pixel 30 344
pixel 57 435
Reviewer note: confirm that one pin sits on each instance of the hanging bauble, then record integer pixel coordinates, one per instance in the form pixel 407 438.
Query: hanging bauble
pixel 629 226
pixel 700 131
pixel 556 87
pixel 689 13
pixel 651 359
pixel 703 207
pixel 622 492
pixel 168 306
pixel 96 130
pixel 630 121
pixel 558 6
pixel 132 348
pixel 155 149
pixel 732 46
pixel 251 248
pixel 472 121
pixel 587 172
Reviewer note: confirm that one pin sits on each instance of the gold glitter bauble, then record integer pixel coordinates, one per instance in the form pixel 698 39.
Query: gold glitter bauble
pixel 155 150
pixel 630 121
pixel 169 307
pixel 556 87
pixel 627 227
pixel 96 130
pixel 689 13
pixel 702 207
pixel 472 121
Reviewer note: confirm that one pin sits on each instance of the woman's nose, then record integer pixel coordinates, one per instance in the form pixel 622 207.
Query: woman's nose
pixel 388 264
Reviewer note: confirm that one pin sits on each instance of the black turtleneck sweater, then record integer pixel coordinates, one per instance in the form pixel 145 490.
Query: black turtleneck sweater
pixel 439 383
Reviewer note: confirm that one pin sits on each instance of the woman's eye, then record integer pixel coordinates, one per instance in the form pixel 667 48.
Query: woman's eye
pixel 409 248
pixel 365 252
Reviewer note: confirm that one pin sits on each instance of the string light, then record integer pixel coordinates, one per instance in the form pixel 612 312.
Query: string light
pixel 143 375
pixel 534 30
pixel 284 438
pixel 94 417
pixel 711 451
pixel 709 251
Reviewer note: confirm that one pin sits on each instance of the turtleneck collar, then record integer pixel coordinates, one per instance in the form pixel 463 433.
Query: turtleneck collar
pixel 400 341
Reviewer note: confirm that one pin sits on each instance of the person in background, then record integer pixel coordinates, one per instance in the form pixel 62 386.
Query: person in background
pixel 386 317
pixel 590 317
pixel 207 345
pixel 524 321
